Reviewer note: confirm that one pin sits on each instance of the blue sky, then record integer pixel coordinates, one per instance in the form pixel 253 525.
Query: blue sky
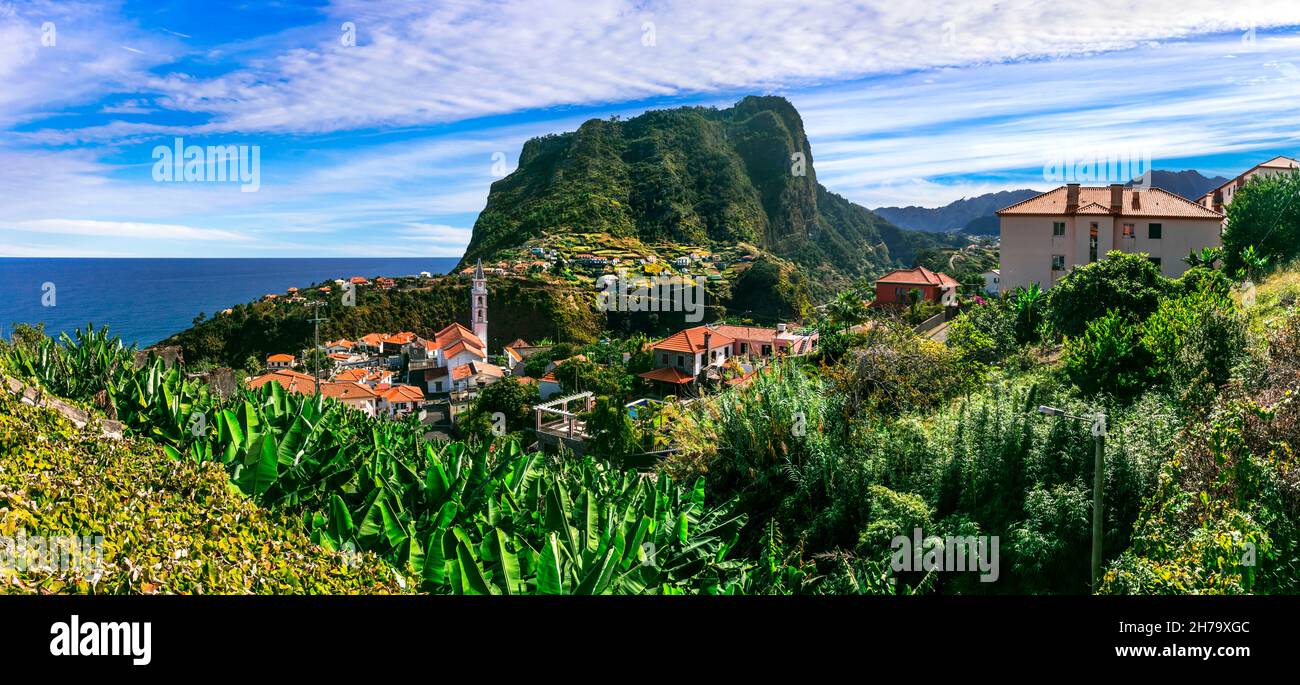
pixel 387 147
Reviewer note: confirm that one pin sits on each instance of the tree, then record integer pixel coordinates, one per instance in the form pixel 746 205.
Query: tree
pixel 613 433
pixel 1264 216
pixel 1108 357
pixel 508 396
pixel 846 310
pixel 1128 284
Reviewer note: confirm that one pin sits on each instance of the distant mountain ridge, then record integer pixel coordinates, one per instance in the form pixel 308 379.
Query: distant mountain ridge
pixel 977 215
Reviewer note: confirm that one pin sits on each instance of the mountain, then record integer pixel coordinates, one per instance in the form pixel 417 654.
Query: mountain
pixel 954 216
pixel 977 215
pixel 694 175
pixel 1191 184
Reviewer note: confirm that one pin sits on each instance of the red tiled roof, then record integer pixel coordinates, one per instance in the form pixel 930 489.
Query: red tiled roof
pixel 668 374
pixel 400 338
pixel 453 334
pixel 692 340
pixel 918 276
pixel 550 377
pixel 291 381
pixel 347 391
pixel 1147 203
pixel 351 375
pixel 404 393
pixel 460 373
pixel 747 332
pixel 517 342
pixel 461 346
pixel 373 339
pixel 280 358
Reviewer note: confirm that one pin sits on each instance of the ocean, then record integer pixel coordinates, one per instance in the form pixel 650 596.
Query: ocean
pixel 147 300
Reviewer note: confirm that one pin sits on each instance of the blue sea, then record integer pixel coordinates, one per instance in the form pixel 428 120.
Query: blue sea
pixel 147 300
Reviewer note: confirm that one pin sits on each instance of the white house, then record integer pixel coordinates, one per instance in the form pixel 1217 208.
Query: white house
pixel 993 281
pixel 1045 236
pixel 1221 197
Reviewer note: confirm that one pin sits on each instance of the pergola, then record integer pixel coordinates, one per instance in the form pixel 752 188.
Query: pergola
pixel 560 420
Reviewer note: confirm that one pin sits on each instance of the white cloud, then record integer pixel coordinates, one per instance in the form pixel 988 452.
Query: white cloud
pixel 124 229
pixel 416 65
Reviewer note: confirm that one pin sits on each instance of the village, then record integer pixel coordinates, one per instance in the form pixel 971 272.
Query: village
pixel 437 375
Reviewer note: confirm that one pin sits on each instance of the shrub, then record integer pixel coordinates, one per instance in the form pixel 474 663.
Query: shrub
pixel 1108 357
pixel 1197 336
pixel 168 525
pixel 1128 284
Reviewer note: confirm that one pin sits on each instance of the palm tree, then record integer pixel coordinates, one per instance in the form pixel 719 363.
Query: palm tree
pixel 846 310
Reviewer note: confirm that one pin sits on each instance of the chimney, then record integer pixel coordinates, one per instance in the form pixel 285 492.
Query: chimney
pixel 1071 197
pixel 780 328
pixel 1137 200
pixel 1116 198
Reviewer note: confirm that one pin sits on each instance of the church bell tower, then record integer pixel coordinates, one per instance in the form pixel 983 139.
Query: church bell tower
pixel 478 304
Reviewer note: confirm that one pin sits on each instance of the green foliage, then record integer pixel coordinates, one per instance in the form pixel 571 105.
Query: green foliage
pixel 1109 357
pixel 699 175
pixel 168 525
pixel 1263 224
pixel 1198 336
pixel 986 333
pixel 522 308
pixel 508 396
pixel 1128 284
pixel 439 513
pixel 1029 305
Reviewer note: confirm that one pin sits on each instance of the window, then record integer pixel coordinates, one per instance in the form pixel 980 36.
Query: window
pixel 1130 230
pixel 1058 262
pixel 437 387
pixel 1153 231
pixel 744 348
pixel 681 361
pixel 899 294
pixel 1155 260
pixel 663 358
pixel 1058 228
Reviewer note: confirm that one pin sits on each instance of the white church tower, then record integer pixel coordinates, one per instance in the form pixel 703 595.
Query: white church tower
pixel 478 304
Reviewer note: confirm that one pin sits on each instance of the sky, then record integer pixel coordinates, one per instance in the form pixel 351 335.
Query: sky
pixel 376 128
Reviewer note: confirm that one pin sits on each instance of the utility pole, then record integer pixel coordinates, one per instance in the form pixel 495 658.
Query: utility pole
pixel 315 357
pixel 1098 431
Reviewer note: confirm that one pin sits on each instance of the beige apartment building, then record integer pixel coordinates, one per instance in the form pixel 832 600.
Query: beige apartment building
pixel 1045 236
pixel 1221 197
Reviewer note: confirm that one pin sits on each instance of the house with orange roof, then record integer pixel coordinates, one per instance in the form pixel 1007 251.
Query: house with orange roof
pixel 433 361
pixel 1219 198
pixel 399 400
pixel 517 353
pixel 371 342
pixel 755 342
pixel 276 362
pixel 340 346
pixel 397 343
pixel 357 280
pixel 354 395
pixel 1045 236
pixel 681 357
pixel 291 381
pixel 902 287
pixel 548 386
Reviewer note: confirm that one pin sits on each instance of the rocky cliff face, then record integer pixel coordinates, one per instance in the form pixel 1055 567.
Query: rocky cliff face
pixel 693 175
